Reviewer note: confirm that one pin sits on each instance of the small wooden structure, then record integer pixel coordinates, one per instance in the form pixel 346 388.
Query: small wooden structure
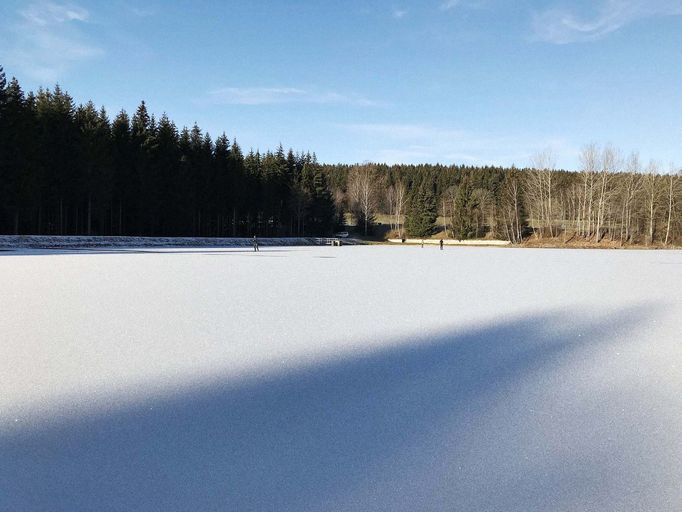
pixel 329 241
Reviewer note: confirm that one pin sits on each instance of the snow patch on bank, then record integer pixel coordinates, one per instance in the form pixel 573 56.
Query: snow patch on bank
pixel 77 242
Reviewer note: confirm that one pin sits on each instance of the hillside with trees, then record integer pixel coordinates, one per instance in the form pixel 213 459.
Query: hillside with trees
pixel 612 198
pixel 68 169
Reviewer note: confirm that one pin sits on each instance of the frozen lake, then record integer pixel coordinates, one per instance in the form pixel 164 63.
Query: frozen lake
pixel 345 379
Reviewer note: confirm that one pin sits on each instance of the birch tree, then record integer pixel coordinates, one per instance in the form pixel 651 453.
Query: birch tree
pixel 363 187
pixel 589 159
pixel 652 192
pixel 511 204
pixel 390 205
pixel 610 161
pixel 673 181
pixel 540 189
pixel 396 195
pixel 630 189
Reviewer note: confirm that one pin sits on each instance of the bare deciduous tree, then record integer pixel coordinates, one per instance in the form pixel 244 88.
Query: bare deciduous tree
pixel 363 188
pixel 395 201
pixel 540 190
pixel 610 199
pixel 652 190
pixel 512 198
pixel 589 159
pixel 610 162
pixel 673 193
pixel 630 186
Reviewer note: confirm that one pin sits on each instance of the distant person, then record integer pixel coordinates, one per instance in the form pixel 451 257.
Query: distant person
pixel 422 243
pixel 441 244
pixel 255 244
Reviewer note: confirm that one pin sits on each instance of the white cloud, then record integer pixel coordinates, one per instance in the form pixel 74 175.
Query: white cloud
pixel 563 26
pixel 399 13
pixel 49 13
pixel 279 95
pixel 47 41
pixel 421 143
pixel 450 4
pixel 142 12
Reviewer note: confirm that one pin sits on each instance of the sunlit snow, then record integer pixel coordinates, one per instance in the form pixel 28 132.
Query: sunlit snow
pixel 345 379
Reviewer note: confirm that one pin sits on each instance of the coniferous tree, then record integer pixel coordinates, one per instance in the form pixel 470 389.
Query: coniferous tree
pixel 17 182
pixel 317 202
pixel 465 211
pixel 162 185
pixel 239 183
pixel 125 180
pixel 95 166
pixel 68 170
pixel 4 164
pixel 422 213
pixel 222 184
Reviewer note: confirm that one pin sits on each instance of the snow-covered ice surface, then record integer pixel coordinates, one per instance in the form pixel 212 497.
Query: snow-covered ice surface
pixel 345 379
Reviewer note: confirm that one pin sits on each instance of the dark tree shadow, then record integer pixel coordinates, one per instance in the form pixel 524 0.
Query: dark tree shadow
pixel 306 439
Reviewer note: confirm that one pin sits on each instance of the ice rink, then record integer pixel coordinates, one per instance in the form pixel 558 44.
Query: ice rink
pixel 367 378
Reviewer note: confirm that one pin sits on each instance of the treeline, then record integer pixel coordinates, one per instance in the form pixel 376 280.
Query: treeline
pixel 611 198
pixel 68 169
pixel 412 197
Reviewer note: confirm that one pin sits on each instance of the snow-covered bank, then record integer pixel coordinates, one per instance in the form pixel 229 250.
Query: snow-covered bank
pixel 431 241
pixel 77 242
pixel 347 379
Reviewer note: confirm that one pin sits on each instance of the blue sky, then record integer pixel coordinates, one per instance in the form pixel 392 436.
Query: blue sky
pixel 450 81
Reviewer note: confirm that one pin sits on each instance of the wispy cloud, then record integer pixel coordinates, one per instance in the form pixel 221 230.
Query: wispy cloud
pixel 47 41
pixel 449 4
pixel 49 13
pixel 399 13
pixel 418 143
pixel 142 12
pixel 563 26
pixel 279 95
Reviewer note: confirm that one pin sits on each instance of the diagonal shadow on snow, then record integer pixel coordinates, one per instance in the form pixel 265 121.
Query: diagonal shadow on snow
pixel 307 439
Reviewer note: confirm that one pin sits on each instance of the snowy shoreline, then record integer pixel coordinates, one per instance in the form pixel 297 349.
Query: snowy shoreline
pixel 431 241
pixel 77 242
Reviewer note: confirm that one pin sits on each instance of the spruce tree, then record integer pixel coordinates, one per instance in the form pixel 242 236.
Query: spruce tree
pixel 95 166
pixel 4 192
pixel 15 160
pixel 223 184
pixel 422 213
pixel 68 170
pixel 125 180
pixel 162 184
pixel 323 210
pixel 3 84
pixel 240 185
pixel 464 221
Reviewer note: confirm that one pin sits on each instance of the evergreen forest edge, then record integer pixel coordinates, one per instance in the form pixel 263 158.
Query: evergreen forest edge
pixel 68 169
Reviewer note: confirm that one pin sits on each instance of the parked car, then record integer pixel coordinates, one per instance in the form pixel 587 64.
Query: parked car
pixel 342 234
